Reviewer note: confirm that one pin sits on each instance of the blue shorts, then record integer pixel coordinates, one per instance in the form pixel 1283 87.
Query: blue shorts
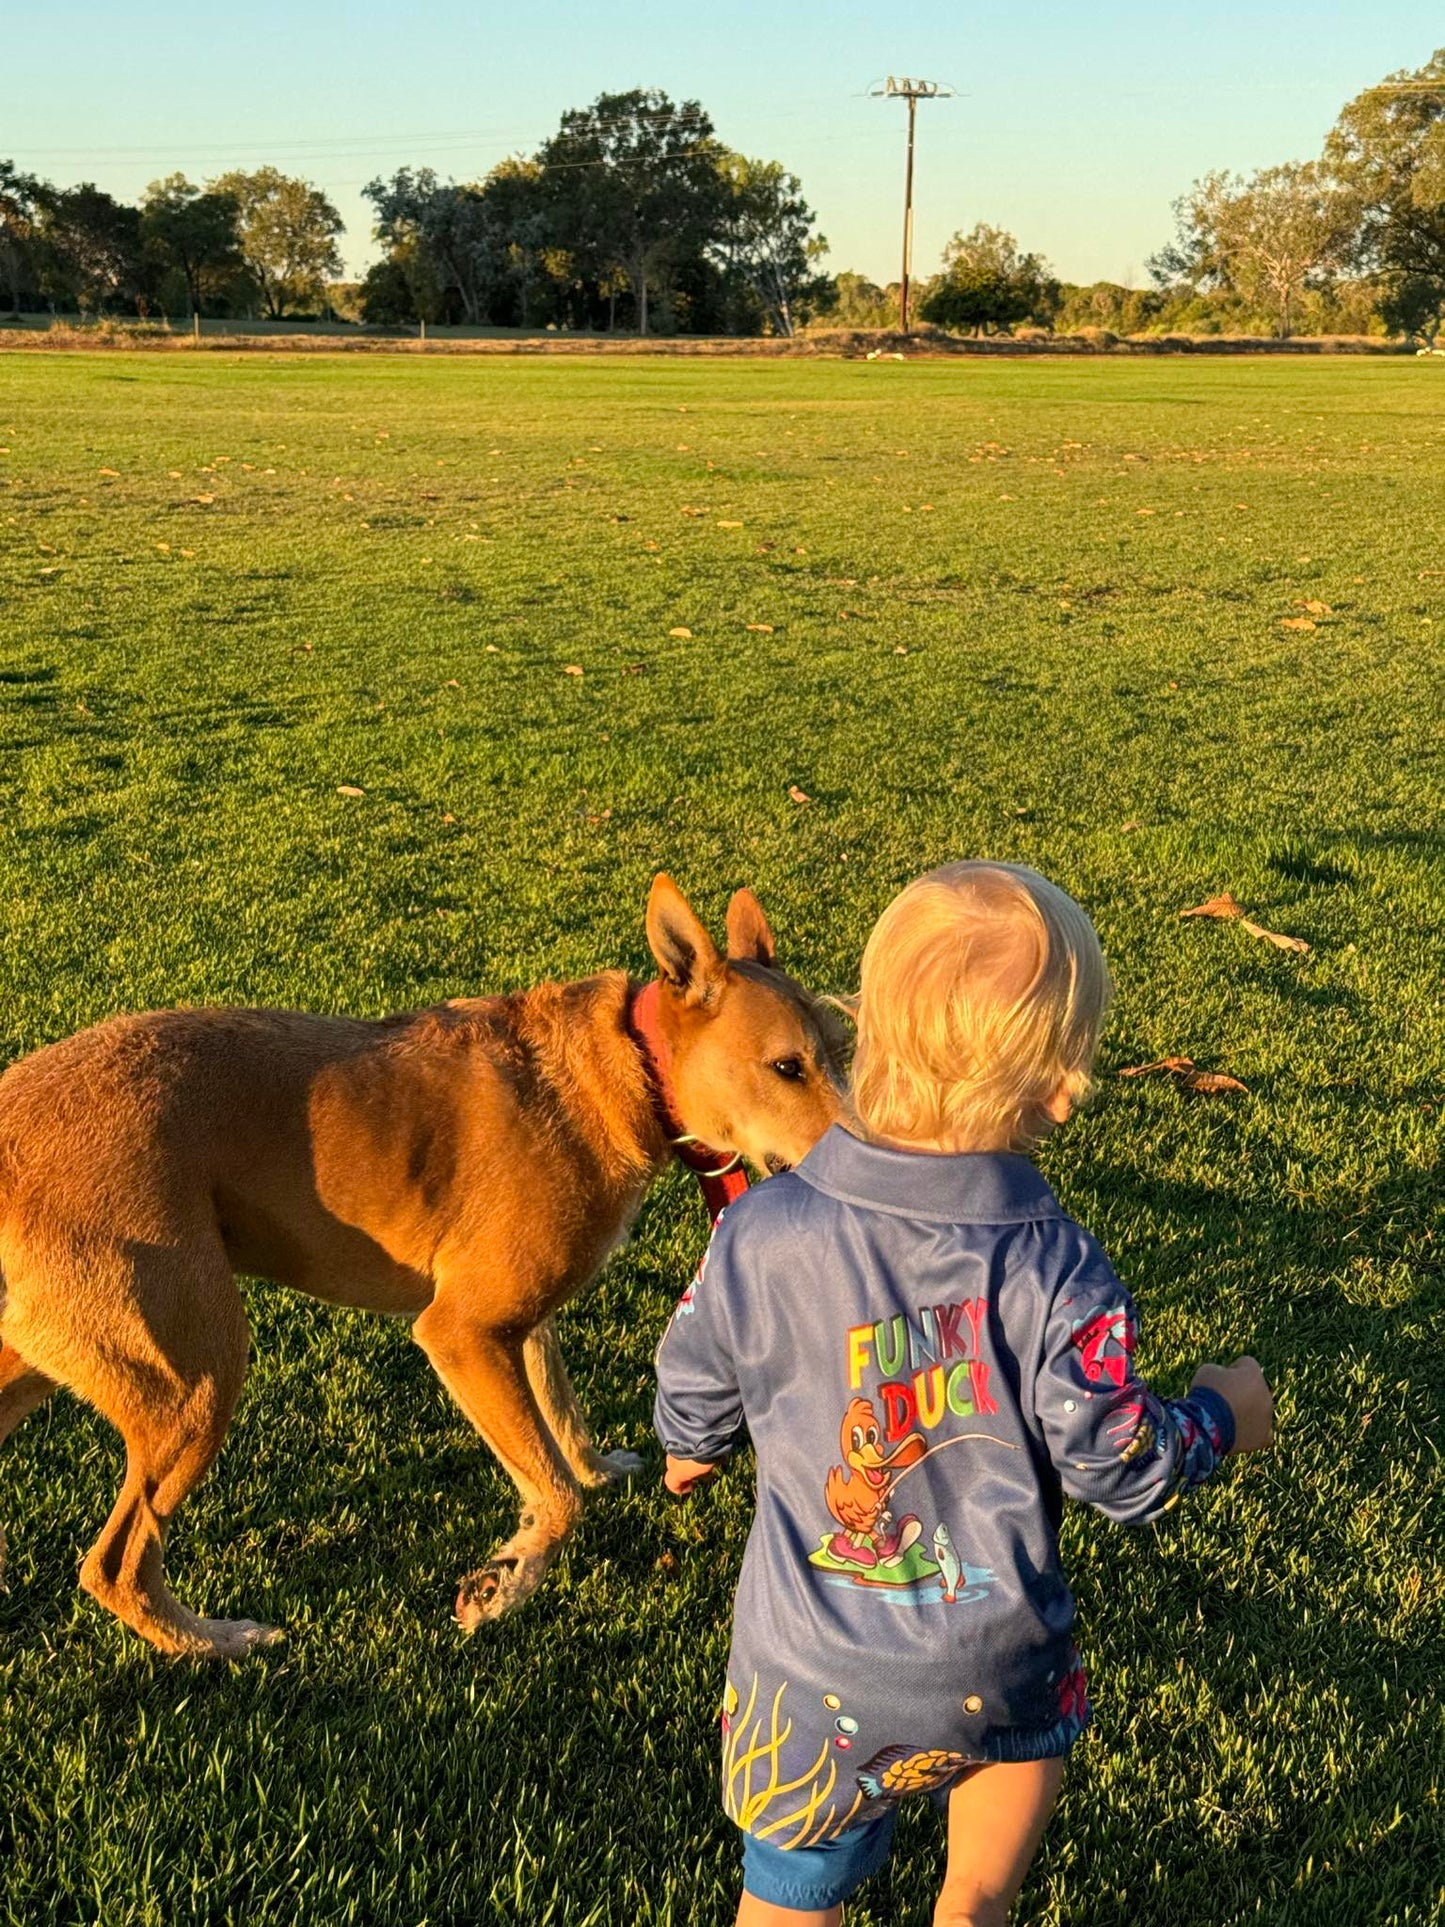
pixel 815 1878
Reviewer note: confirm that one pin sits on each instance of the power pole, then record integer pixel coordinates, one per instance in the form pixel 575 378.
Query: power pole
pixel 912 91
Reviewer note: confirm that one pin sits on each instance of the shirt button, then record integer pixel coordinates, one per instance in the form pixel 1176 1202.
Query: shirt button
pixel 973 1704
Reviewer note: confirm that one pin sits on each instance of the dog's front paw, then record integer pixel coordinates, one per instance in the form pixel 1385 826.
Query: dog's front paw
pixel 496 1588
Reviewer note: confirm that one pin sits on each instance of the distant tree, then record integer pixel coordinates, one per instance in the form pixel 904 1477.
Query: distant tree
pixel 89 249
pixel 386 297
pixel 853 301
pixel 1105 304
pixel 287 230
pixel 631 186
pixel 1269 238
pixel 193 231
pixel 22 197
pixel 483 246
pixel 431 229
pixel 538 266
pixel 1388 150
pixel 986 284
pixel 765 238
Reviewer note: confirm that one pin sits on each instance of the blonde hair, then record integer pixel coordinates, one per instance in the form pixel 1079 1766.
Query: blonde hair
pixel 983 992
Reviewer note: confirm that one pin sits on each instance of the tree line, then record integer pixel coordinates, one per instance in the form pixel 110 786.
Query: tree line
pixel 634 214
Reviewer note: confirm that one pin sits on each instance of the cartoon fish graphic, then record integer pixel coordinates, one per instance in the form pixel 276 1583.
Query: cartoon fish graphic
pixel 900 1770
pixel 947 1561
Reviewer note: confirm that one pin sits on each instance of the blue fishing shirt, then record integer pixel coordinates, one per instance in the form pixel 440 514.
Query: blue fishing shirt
pixel 928 1354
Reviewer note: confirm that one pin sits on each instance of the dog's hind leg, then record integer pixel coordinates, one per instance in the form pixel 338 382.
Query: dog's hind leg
pixel 165 1366
pixel 552 1389
pixel 486 1374
pixel 22 1389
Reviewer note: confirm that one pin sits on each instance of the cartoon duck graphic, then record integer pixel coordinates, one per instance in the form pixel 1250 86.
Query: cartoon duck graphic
pixel 857 1491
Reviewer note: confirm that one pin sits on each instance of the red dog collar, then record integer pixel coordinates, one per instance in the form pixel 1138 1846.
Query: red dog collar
pixel 721 1177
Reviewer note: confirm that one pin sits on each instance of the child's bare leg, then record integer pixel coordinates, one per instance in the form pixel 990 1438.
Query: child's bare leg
pixel 765 1913
pixel 996 1818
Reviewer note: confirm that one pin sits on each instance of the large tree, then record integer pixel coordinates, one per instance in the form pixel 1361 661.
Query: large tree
pixel 765 237
pixel 1269 238
pixel 89 248
pixel 632 185
pixel 192 230
pixel 287 230
pixel 987 284
pixel 1388 150
pixel 484 244
pixel 22 197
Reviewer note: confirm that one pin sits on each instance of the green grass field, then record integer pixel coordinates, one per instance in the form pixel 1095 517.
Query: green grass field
pixel 1032 611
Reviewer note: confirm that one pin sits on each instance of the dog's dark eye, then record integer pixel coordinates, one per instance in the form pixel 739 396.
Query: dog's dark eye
pixel 790 1067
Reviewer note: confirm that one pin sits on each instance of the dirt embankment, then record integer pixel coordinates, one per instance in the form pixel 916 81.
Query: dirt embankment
pixel 848 344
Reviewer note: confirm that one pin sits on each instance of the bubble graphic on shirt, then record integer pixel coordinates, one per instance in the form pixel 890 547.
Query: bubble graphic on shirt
pixel 846 1725
pixel 832 1702
pixel 843 1741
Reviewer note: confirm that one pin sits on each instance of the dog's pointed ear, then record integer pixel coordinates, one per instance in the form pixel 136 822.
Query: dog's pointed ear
pixel 750 936
pixel 686 955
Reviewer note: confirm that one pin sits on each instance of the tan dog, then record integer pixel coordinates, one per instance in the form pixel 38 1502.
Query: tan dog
pixel 468 1166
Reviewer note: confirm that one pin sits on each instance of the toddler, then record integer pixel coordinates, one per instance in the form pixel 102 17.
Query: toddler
pixel 928 1355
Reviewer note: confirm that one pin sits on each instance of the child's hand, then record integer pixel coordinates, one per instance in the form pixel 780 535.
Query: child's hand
pixel 682 1475
pixel 1244 1389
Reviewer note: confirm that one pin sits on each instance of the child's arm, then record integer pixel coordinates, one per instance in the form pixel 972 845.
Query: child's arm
pixel 698 1414
pixel 1115 1443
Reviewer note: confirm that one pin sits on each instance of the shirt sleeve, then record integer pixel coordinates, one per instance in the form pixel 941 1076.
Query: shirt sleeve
pixel 698 1413
pixel 1116 1444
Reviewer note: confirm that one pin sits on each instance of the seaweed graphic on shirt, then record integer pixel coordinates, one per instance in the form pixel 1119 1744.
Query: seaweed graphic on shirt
pixel 753 1784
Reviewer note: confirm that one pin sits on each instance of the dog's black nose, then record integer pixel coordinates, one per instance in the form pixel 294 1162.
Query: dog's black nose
pixel 777 1165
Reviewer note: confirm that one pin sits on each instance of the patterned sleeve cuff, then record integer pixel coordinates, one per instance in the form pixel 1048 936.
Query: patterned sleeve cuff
pixel 1218 1417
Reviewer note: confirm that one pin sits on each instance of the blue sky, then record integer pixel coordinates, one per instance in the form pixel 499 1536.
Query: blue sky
pixel 1077 124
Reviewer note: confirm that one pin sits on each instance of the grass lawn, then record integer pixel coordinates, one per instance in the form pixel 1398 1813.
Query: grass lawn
pixel 1034 611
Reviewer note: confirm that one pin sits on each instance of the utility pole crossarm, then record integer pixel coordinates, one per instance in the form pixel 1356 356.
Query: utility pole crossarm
pixel 912 91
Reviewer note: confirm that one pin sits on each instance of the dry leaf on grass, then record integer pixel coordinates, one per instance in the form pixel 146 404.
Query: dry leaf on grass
pixel 1312 606
pixel 798 796
pixel 573 669
pixel 1223 905
pixel 1298 622
pixel 107 471
pixel 729 525
pixel 348 789
pixel 682 635
pixel 1188 1076
pixel 760 628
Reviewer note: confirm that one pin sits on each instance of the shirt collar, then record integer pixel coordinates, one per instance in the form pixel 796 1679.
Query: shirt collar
pixel 964 1187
